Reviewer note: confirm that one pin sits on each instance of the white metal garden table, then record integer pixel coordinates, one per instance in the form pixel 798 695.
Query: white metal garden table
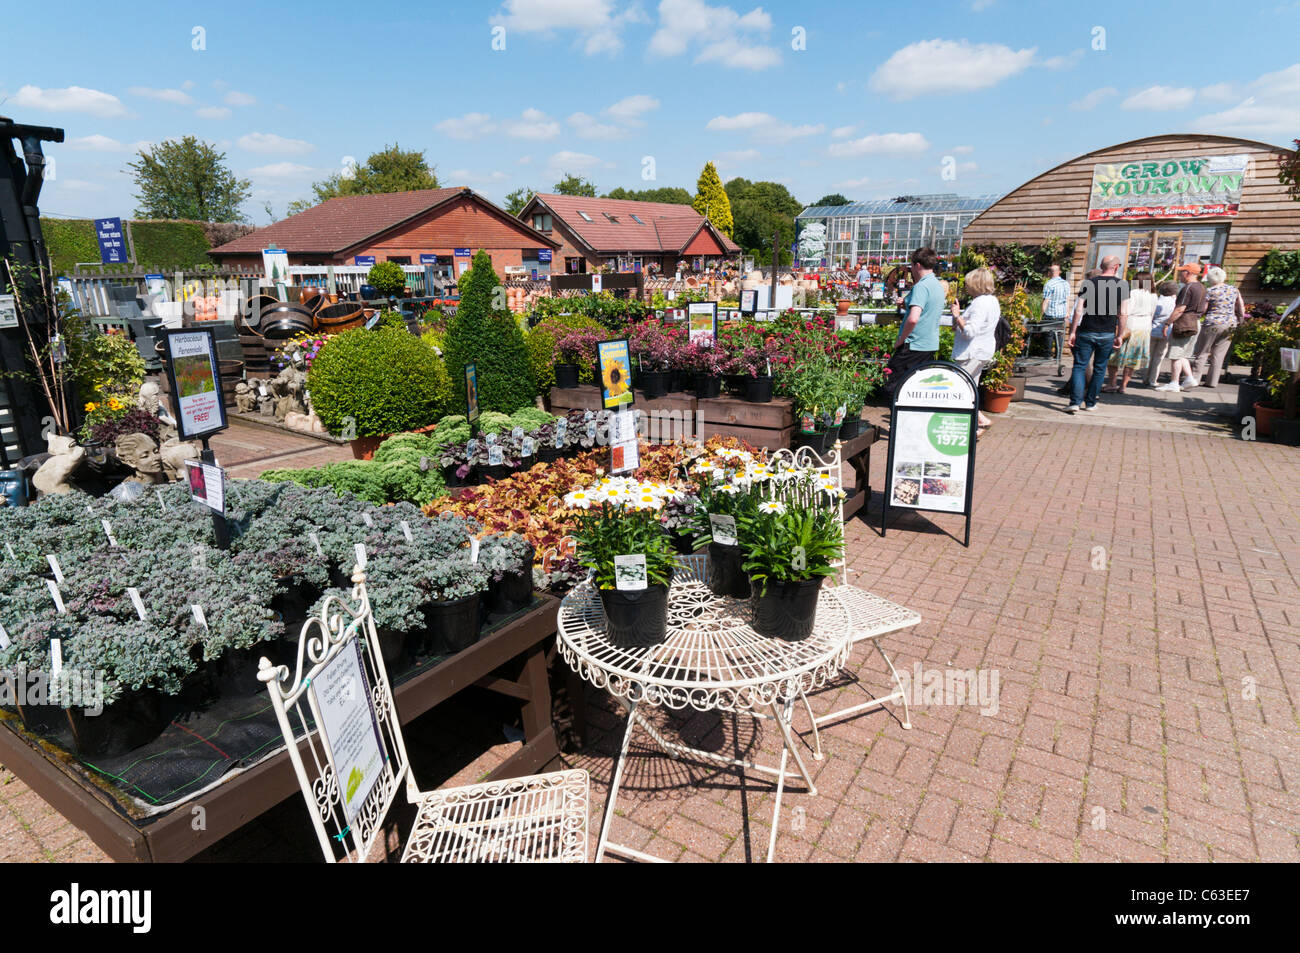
pixel 713 660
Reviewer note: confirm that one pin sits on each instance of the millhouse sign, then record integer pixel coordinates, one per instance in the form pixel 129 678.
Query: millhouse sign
pixel 1209 186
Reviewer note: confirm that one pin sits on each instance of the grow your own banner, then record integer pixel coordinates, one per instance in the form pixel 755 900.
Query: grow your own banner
pixel 1167 188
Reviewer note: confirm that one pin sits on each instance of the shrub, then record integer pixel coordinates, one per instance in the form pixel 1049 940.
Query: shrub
pixel 383 381
pixel 542 340
pixel 484 333
pixel 387 278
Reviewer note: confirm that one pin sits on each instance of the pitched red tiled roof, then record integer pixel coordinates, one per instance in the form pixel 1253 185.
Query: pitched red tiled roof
pixel 344 222
pixel 664 228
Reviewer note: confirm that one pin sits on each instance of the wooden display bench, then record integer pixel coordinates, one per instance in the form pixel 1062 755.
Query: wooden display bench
pixel 767 425
pixel 857 454
pixel 87 802
pixel 587 397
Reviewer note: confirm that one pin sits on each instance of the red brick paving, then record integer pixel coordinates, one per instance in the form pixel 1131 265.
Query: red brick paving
pixel 1147 708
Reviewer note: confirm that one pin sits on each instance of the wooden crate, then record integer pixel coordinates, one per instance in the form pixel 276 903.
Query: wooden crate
pixel 767 425
pixel 587 397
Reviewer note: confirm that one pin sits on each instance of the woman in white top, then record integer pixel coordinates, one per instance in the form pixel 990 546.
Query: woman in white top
pixel 1135 348
pixel 974 329
pixel 1167 291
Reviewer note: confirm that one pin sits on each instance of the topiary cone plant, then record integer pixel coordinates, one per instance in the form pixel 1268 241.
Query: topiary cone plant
pixel 484 333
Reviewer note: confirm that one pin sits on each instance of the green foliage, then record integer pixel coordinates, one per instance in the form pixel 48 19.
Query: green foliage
pixel 383 381
pixel 769 540
pixel 452 430
pixel 671 195
pixel 1025 265
pixel 835 198
pixel 187 178
pixel 159 246
pixel 759 210
pixel 102 366
pixel 407 471
pixel 530 418
pixel 575 185
pixel 387 277
pixel 393 169
pixel 1280 270
pixel 541 345
pixel 69 241
pixel 1288 171
pixel 997 373
pixel 516 200
pixel 484 333
pixel 711 200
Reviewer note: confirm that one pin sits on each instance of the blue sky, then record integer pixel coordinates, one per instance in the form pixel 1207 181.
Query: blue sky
pixel 825 97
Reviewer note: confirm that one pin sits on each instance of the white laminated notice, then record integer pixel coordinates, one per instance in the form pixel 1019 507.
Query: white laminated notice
pixel 108 531
pixel 723 529
pixel 473 549
pixel 360 550
pixel 368 521
pixel 199 617
pixel 4 638
pixel 10 550
pixel 315 541
pixel 56 657
pixel 406 531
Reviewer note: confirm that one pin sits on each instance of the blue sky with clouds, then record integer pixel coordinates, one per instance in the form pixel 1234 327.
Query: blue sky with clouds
pixel 864 99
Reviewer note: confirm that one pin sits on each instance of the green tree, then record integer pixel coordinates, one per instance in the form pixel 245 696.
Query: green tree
pixel 759 209
pixel 575 185
pixel 711 200
pixel 187 178
pixel 393 169
pixel 482 332
pixel 672 195
pixel 517 199
pixel 833 199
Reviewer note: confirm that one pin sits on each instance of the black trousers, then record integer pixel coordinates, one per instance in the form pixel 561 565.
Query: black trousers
pixel 901 363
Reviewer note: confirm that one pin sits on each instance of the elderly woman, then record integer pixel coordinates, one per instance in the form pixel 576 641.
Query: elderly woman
pixel 1135 348
pixel 1224 309
pixel 974 329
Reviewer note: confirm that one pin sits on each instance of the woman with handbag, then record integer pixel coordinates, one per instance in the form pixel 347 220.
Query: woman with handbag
pixel 1224 309
pixel 1133 351
pixel 1184 324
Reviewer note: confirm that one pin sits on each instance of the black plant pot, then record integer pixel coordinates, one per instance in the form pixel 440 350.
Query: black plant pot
pixel 679 381
pixel 499 472
pixel 851 427
pixel 1286 432
pixel 514 591
pixel 450 477
pixel 736 384
pixel 1249 392
pixel 726 577
pixel 815 441
pixel 683 543
pixel 707 385
pixel 566 375
pixel 132 721
pixel 294 600
pixel 788 610
pixel 453 626
pixel 758 390
pixel 549 453
pixel 635 619
pixel 832 434
pixel 392 647
pixel 653 383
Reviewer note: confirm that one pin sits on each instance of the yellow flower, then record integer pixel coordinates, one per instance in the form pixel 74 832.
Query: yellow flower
pixel 90 407
pixel 114 404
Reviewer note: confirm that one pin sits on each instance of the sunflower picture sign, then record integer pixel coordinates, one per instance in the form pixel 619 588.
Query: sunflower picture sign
pixel 615 360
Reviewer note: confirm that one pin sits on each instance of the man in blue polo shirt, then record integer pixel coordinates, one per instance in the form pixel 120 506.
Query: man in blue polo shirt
pixel 918 336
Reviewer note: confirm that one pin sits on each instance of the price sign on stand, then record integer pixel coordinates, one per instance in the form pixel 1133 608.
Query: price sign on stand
pixel 623 451
pixel 932 443
pixel 207 484
pixel 471 393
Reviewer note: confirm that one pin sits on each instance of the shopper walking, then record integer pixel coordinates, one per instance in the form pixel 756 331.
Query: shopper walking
pixel 1189 307
pixel 1166 292
pixel 1224 310
pixel 1096 328
pixel 1135 347
pixel 918 337
pixel 974 330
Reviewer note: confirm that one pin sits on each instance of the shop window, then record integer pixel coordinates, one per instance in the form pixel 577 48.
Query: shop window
pixel 400 259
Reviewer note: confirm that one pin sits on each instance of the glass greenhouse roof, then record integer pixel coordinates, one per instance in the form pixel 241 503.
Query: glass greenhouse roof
pixel 903 205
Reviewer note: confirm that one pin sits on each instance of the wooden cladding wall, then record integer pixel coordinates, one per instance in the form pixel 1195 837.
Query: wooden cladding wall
pixel 1056 203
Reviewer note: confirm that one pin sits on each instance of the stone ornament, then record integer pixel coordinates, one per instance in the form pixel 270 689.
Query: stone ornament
pixel 140 452
pixel 65 459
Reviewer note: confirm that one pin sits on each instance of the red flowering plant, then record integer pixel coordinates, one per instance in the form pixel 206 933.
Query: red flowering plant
pixel 578 347
pixel 703 357
pixel 656 346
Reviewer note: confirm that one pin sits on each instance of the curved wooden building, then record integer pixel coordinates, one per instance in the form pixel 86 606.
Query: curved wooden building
pixel 1157 203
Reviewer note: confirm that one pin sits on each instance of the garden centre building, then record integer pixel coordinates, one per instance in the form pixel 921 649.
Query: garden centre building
pixel 885 231
pixel 1157 203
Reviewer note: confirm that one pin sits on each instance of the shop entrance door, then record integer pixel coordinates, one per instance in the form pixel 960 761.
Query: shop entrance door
pixel 1157 250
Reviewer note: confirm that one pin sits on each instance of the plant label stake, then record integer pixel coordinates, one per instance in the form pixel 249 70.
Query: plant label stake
pixel 199 617
pixel 406 531
pixel 56 657
pixel 134 593
pixel 315 541
pixel 630 573
pixel 527 448
pixel 368 521
pixel 56 596
pixel 517 433
pixel 473 549
pixel 496 456
pixel 4 637
pixel 108 531
pixel 360 550
pixel 10 550
pixel 54 565
pixel 723 528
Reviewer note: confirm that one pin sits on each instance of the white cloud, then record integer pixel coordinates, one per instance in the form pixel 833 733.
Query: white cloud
pixel 282 170
pixel 269 142
pixel 963 150
pixel 468 126
pixel 629 109
pixel 174 96
pixel 978 6
pixel 1271 109
pixel 524 160
pixel 1095 98
pixel 188 84
pixel 236 98
pixel 883 144
pixel 586 126
pixel 95 143
pixel 476 178
pixel 79 185
pixel 70 99
pixel 596 22
pixel 853 183
pixel 1068 61
pixel 566 161
pixel 1218 93
pixel 718 34
pixel 948 66
pixel 736 156
pixel 1161 98
pixel 213 112
pixel 843 132
pixel 531 124
pixel 763 127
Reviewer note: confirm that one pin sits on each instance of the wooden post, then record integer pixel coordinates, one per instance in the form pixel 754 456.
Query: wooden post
pixel 776 259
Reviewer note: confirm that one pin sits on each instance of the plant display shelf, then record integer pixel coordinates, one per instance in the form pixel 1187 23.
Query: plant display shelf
pixel 96 807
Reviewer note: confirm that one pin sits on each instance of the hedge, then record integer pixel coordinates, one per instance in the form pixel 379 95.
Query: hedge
pixel 160 246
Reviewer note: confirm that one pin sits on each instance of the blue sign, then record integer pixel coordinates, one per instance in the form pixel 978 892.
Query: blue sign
pixel 428 259
pixel 463 253
pixel 544 254
pixel 364 260
pixel 112 241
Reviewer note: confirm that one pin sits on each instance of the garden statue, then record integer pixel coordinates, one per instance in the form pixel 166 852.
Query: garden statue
pixel 287 389
pixel 149 398
pixel 245 399
pixel 65 457
pixel 139 451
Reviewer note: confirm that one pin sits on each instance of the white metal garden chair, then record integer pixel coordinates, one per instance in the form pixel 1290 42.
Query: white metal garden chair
pixel 540 818
pixel 871 615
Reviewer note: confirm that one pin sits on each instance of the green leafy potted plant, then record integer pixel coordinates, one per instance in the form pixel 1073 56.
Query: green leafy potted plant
pixel 388 278
pixel 810 385
pixel 631 558
pixel 725 493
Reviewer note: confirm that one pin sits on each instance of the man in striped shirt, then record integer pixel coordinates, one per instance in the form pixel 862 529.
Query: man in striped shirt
pixel 1056 297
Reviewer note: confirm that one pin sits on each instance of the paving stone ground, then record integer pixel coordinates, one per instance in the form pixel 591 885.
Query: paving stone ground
pixel 1135 588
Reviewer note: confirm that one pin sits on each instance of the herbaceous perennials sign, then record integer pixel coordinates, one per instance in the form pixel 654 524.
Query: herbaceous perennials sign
pixel 1167 188
pixel 932 443
pixel 195 382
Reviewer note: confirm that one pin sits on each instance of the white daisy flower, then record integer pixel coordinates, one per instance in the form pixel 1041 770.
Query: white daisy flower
pixel 772 506
pixel 579 499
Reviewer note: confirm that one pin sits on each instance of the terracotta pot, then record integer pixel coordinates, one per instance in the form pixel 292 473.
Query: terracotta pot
pixel 1264 417
pixel 363 448
pixel 996 401
pixel 842 307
